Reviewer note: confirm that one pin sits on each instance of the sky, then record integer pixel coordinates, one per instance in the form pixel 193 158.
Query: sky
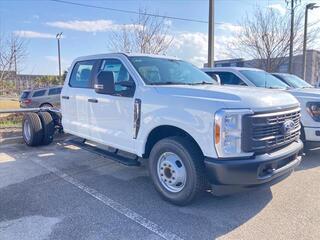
pixel 86 30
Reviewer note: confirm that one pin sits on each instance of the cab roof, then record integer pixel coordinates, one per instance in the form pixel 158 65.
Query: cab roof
pixel 106 55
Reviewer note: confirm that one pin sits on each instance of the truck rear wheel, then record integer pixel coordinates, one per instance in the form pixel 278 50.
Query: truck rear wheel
pixel 32 130
pixel 177 170
pixel 48 127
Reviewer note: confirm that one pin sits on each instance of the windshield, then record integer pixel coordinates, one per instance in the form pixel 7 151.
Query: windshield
pixel 263 79
pixel 162 71
pixel 295 81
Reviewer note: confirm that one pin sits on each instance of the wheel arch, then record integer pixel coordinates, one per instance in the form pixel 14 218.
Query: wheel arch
pixel 164 131
pixel 45 103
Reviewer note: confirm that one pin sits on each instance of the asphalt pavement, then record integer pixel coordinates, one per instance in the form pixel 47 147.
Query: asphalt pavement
pixel 62 191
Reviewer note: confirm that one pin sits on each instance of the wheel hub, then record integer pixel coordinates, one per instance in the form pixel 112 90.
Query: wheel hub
pixel 27 130
pixel 171 172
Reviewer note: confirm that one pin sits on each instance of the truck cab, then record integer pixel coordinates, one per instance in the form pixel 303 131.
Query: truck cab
pixel 308 96
pixel 194 134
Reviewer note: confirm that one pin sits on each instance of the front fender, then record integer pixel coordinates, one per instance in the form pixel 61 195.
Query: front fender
pixel 198 124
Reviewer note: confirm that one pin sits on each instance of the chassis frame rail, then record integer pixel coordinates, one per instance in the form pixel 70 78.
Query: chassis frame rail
pixel 26 110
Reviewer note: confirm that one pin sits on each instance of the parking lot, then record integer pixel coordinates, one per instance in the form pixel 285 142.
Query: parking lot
pixel 61 191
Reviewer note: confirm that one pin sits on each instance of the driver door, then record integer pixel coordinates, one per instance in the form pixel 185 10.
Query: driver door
pixel 112 115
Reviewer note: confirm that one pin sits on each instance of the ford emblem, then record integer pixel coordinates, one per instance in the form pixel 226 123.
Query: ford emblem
pixel 288 126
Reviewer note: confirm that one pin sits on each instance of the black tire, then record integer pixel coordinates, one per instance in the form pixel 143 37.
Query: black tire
pixel 48 127
pixel 32 130
pixel 194 165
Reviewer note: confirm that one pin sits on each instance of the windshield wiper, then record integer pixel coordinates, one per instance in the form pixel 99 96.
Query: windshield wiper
pixel 167 83
pixel 179 83
pixel 270 87
pixel 201 83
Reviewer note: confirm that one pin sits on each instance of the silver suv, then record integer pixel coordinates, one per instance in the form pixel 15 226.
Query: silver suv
pixel 44 97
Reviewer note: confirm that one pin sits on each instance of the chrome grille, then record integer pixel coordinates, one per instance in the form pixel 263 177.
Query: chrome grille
pixel 264 132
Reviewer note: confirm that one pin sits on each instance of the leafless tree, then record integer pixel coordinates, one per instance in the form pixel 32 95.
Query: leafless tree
pixel 265 37
pixel 146 34
pixel 12 54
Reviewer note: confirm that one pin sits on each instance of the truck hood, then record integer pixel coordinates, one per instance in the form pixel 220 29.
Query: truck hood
pixel 257 99
pixel 312 93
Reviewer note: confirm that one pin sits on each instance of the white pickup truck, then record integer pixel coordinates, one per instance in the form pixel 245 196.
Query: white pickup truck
pixel 196 134
pixel 308 96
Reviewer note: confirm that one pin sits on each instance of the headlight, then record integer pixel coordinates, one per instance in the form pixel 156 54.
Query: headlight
pixel 228 132
pixel 313 109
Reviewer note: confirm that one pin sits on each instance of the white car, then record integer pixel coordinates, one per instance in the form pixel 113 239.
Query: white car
pixel 308 96
pixel 193 132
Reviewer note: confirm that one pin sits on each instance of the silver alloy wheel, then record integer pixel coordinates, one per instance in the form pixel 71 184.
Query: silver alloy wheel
pixel 27 130
pixel 171 172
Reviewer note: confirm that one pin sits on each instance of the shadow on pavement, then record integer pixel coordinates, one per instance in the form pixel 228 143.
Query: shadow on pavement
pixel 73 214
pixel 310 160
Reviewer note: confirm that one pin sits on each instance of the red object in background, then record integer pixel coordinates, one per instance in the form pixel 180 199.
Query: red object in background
pixel 27 101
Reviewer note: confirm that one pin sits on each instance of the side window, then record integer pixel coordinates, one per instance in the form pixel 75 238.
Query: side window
pixel 54 91
pixel 120 74
pixel 213 75
pixel 81 74
pixel 228 78
pixel 39 93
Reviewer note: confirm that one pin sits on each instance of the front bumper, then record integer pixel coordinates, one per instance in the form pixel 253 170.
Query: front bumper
pixel 230 176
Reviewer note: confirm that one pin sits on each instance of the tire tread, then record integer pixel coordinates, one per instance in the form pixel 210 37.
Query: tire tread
pixel 48 127
pixel 196 156
pixel 36 128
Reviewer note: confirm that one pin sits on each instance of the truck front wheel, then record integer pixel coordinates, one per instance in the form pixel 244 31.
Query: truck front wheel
pixel 177 170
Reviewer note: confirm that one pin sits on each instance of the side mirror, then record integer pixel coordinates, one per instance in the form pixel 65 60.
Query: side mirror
pixel 105 83
pixel 217 78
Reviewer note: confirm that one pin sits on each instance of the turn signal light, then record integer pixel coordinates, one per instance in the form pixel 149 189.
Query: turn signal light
pixel 217 133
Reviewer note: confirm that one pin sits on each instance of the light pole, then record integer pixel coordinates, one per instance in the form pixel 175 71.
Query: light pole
pixel 211 34
pixel 58 36
pixel 293 4
pixel 309 6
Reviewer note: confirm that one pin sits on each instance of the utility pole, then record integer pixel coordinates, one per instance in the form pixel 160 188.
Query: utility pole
pixel 211 34
pixel 16 69
pixel 292 7
pixel 58 36
pixel 309 6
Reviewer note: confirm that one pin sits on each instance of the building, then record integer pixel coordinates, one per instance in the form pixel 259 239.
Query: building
pixel 312 71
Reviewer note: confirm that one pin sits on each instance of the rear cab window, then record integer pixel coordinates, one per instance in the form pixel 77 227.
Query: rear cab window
pixel 39 93
pixel 81 74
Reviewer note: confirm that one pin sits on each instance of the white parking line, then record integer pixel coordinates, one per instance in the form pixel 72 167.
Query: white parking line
pixel 144 222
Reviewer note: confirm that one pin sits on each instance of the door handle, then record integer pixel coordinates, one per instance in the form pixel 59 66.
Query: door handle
pixel 92 100
pixel 65 97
